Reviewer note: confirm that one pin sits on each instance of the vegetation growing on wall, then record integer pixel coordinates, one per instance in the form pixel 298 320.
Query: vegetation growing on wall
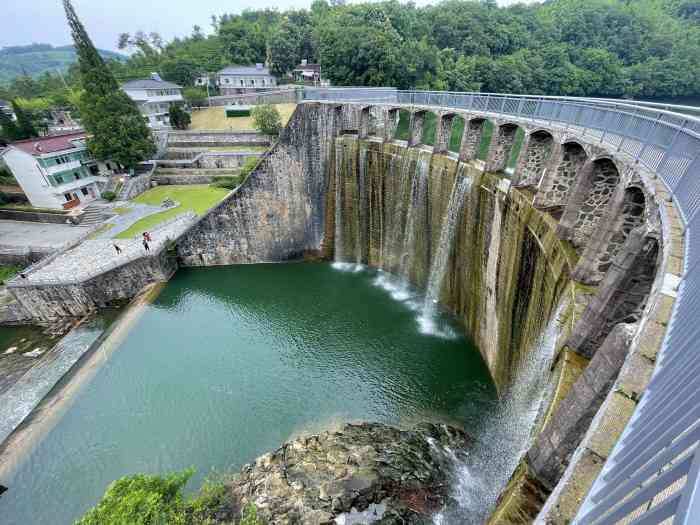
pixel 155 500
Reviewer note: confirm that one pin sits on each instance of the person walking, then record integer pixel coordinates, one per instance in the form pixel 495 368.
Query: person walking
pixel 145 245
pixel 147 236
pixel 119 250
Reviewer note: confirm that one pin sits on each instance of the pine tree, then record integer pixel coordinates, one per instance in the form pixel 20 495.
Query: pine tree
pixel 117 130
pixel 24 127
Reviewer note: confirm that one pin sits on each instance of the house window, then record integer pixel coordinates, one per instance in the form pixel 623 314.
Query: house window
pixel 68 197
pixel 77 175
pixel 226 80
pixel 84 191
pixel 242 82
pixel 263 82
pixel 109 166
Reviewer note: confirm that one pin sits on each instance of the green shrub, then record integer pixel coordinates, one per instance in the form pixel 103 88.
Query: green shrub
pixel 267 119
pixel 158 500
pixel 8 272
pixel 4 199
pixel 141 500
pixel 235 112
pixel 109 195
pixel 227 182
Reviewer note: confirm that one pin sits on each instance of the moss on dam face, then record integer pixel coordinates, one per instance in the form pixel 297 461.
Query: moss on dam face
pixel 506 268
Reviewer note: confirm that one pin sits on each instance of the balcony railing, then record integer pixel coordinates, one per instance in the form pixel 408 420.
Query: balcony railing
pixel 652 474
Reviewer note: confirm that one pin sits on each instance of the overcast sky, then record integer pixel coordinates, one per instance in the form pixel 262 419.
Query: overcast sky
pixel 43 21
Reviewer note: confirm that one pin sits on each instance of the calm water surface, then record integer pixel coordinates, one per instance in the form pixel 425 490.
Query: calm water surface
pixel 230 362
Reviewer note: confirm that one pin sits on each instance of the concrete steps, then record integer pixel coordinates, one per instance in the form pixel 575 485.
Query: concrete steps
pixel 94 214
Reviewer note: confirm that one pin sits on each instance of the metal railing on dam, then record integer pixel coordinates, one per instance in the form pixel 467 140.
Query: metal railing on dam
pixel 652 475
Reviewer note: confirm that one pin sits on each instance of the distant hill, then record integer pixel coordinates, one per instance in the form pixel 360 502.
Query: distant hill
pixel 35 59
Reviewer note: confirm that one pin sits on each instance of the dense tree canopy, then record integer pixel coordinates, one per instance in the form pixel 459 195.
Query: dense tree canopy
pixel 117 129
pixel 641 48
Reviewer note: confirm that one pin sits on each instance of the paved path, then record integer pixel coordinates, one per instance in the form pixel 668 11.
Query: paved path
pixel 38 234
pixel 93 257
pixel 124 222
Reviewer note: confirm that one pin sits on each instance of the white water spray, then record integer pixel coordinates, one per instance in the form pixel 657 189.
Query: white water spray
pixel 506 433
pixel 438 267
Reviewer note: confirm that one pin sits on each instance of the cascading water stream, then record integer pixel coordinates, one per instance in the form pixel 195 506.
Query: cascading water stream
pixel 419 188
pixel 338 247
pixel 506 433
pixel 362 205
pixel 444 249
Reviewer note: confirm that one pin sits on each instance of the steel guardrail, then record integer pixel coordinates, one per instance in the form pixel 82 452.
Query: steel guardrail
pixel 652 475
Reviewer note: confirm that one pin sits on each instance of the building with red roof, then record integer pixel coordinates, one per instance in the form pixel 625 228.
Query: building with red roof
pixel 57 171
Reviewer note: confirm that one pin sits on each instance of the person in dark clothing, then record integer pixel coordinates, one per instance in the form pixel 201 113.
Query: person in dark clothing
pixel 119 250
pixel 145 245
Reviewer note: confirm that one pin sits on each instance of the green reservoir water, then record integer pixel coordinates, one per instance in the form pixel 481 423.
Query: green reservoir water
pixel 230 362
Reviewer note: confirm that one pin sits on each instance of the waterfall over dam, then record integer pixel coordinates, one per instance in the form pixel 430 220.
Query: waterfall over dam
pixel 550 254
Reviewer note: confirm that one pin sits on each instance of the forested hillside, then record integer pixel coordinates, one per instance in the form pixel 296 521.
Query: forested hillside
pixel 630 48
pixel 35 59
pixel 561 47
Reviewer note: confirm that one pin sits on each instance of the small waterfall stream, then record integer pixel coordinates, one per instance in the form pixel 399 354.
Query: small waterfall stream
pixel 416 205
pixel 438 267
pixel 506 434
pixel 338 247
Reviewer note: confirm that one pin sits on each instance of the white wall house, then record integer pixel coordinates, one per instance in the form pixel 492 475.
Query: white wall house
pixel 154 97
pixel 56 171
pixel 234 80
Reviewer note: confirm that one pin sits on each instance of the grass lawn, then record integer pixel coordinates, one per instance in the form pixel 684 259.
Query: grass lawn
pixel 215 118
pixel 120 210
pixel 8 272
pixel 197 198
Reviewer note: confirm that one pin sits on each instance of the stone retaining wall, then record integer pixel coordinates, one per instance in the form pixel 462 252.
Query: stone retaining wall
pixel 182 179
pixel 33 216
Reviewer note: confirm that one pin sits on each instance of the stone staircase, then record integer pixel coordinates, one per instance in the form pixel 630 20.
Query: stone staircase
pixel 95 213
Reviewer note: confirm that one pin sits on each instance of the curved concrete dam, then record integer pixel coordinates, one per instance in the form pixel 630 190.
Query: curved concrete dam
pixel 549 251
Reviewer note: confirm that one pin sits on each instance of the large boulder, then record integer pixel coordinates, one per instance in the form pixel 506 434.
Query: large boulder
pixel 363 473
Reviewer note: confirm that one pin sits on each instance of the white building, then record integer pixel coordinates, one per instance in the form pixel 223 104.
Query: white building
pixel 6 107
pixel 234 80
pixel 56 171
pixel 154 97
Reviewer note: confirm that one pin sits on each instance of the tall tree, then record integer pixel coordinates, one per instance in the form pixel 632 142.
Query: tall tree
pixel 117 130
pixel 25 128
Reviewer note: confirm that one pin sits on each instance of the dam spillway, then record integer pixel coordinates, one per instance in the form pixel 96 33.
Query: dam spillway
pixel 562 221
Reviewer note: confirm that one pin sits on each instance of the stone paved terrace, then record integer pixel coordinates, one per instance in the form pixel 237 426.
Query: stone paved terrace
pixel 94 257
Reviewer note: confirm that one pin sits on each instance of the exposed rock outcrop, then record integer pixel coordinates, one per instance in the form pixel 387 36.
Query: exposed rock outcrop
pixel 364 473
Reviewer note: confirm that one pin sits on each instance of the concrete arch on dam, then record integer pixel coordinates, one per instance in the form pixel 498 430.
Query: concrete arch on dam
pixel 568 158
pixel 501 146
pixel 593 190
pixel 536 153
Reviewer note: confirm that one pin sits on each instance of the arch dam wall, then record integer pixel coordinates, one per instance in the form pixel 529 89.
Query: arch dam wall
pixel 545 217
pixel 544 221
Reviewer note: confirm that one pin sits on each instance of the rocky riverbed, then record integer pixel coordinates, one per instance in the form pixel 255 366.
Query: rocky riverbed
pixel 363 473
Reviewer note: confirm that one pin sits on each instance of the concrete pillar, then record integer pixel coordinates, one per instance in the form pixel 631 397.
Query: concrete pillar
pixel 622 293
pixel 415 128
pixel 501 145
pixel 471 139
pixel 518 175
pixel 365 117
pixel 586 270
pixel 443 132
pixel 550 454
pixel 579 193
pixel 391 121
pixel 550 172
